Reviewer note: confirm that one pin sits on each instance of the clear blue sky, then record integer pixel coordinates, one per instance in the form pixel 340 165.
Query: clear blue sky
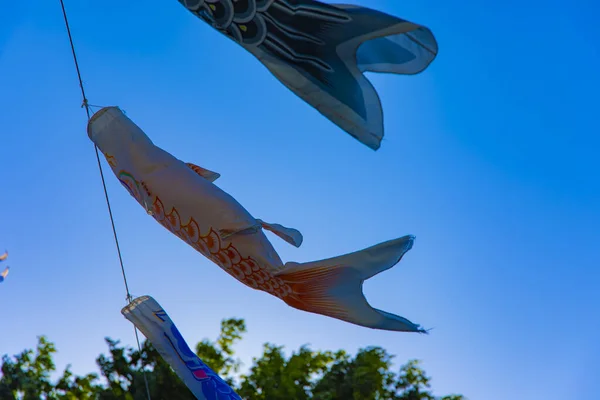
pixel 490 158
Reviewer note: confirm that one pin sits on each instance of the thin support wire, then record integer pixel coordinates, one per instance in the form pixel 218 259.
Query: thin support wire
pixel 86 105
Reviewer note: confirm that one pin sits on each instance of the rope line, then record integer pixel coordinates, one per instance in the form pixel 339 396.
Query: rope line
pixel 86 105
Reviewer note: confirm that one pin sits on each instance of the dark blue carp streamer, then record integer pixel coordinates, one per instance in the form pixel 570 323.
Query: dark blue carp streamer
pixel 320 51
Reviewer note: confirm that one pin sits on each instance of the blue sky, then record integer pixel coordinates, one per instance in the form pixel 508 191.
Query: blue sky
pixel 490 158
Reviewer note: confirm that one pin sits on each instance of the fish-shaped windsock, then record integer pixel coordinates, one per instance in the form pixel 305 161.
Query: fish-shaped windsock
pixel 320 52
pixel 183 198
pixel 152 320
pixel 4 273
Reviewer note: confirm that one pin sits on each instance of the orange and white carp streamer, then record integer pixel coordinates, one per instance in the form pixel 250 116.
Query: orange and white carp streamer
pixel 183 198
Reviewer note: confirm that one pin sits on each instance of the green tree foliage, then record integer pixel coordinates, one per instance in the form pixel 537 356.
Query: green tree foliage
pixel 26 376
pixel 303 375
pixel 219 355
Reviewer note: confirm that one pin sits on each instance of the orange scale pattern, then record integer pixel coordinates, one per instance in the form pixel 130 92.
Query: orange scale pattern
pixel 244 269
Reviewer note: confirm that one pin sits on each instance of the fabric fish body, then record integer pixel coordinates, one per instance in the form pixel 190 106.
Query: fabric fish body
pixel 154 322
pixel 192 207
pixel 320 51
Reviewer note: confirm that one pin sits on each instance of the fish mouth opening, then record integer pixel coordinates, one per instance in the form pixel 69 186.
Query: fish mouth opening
pixel 94 118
